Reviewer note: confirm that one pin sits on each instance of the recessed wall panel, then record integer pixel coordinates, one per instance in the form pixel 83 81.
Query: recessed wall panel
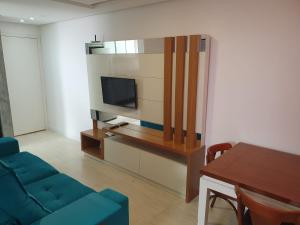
pixel 146 69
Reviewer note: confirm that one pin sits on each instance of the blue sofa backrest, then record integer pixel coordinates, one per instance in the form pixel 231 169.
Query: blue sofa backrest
pixel 8 146
pixel 15 202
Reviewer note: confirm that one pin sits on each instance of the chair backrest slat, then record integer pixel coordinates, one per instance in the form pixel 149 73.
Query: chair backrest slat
pixel 264 215
pixel 214 149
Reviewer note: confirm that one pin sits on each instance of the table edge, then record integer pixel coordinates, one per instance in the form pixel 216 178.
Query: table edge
pixel 250 188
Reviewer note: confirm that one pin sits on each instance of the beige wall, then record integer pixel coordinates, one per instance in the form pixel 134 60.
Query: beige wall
pixel 255 69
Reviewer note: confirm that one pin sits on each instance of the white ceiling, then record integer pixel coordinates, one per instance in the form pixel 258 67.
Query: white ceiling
pixel 84 3
pixel 50 11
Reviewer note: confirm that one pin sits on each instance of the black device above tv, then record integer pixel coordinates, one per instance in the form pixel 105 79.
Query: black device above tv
pixel 119 91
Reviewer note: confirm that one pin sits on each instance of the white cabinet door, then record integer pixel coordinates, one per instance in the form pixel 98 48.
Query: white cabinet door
pixel 23 73
pixel 121 154
pixel 162 170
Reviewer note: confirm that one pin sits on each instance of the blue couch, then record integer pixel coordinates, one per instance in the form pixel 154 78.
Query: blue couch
pixel 32 192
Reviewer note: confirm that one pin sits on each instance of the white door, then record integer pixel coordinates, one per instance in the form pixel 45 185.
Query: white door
pixel 22 66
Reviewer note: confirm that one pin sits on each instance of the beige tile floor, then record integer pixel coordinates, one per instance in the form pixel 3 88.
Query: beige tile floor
pixel 150 204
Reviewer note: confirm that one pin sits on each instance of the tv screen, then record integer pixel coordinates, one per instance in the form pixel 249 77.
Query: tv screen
pixel 119 91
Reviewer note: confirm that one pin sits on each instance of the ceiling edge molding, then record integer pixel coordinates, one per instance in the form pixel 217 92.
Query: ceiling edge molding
pixel 91 6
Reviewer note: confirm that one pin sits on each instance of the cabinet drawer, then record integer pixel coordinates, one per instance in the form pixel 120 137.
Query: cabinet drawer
pixel 165 171
pixel 121 154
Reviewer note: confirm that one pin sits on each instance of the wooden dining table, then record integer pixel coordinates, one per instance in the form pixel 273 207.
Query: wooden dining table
pixel 269 172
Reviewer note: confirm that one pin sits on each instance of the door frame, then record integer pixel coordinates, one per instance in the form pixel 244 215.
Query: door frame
pixel 41 70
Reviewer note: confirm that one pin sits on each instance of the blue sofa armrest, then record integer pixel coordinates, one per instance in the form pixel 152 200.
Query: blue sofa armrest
pixel 8 146
pixel 92 209
pixel 122 200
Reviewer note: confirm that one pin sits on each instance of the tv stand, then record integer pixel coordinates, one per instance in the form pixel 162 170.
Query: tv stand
pixel 141 138
pixel 93 143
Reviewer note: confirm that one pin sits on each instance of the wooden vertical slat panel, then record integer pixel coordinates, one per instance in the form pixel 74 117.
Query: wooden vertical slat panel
pixel 168 69
pixel 181 43
pixel 192 89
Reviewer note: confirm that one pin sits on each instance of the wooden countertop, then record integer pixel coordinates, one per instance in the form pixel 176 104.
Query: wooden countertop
pixel 154 138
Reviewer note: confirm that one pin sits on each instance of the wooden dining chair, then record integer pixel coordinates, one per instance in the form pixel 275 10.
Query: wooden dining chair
pixel 211 155
pixel 263 214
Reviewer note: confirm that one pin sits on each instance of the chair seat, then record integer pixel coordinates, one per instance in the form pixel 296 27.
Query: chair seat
pixel 57 191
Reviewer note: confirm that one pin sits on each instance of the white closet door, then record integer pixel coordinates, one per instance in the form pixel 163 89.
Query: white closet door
pixel 22 65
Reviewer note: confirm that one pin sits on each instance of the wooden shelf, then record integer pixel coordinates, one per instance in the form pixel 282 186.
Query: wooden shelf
pixel 94 151
pixel 92 142
pixel 95 134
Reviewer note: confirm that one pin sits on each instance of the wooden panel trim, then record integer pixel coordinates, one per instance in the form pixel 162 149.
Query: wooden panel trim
pixel 168 69
pixel 195 162
pixel 181 45
pixel 206 79
pixel 95 125
pixel 194 56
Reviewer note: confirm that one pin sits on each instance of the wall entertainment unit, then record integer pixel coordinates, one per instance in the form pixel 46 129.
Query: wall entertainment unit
pixel 171 75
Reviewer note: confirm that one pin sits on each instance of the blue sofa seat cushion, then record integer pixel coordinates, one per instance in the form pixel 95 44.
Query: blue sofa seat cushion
pixel 15 202
pixel 57 191
pixel 92 209
pixel 6 219
pixel 28 168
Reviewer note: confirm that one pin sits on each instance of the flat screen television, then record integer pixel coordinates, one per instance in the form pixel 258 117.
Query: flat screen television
pixel 119 91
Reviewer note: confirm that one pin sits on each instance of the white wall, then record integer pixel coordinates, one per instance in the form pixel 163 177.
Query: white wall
pixel 255 68
pixel 20 30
